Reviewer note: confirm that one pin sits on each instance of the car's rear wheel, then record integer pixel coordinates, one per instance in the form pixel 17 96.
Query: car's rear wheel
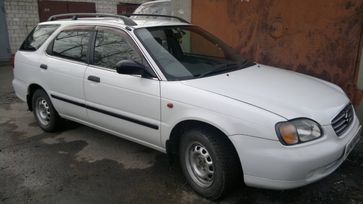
pixel 44 112
pixel 209 162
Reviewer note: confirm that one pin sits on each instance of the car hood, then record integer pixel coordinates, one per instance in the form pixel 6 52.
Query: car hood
pixel 285 93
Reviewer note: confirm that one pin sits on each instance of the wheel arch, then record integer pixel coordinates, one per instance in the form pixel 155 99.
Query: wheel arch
pixel 172 144
pixel 31 89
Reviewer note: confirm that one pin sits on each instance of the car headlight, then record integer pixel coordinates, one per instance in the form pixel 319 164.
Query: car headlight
pixel 298 131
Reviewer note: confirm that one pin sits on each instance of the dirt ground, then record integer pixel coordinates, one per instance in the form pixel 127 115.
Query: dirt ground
pixel 84 165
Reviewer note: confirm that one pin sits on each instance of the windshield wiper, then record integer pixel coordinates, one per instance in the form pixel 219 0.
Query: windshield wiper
pixel 220 69
pixel 246 63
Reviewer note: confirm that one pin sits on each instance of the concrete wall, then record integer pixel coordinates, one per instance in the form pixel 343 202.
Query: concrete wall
pixel 5 52
pixel 108 6
pixel 22 16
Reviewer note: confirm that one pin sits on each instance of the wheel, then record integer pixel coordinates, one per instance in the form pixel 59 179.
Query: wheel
pixel 44 112
pixel 209 163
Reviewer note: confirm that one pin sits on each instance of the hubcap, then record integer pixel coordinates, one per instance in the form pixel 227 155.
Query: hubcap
pixel 42 111
pixel 200 165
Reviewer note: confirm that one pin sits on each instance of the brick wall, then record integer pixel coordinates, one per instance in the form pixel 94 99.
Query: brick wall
pixel 22 16
pixel 108 6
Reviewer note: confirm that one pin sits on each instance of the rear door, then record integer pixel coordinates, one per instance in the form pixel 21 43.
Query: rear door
pixel 65 64
pixel 126 104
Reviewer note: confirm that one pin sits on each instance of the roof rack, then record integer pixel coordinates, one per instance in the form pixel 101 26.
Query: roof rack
pixel 158 15
pixel 75 16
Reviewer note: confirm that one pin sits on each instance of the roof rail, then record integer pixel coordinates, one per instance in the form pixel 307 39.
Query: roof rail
pixel 157 15
pixel 75 16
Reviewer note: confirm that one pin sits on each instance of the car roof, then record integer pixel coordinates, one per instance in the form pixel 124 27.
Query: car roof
pixel 157 22
pixel 114 22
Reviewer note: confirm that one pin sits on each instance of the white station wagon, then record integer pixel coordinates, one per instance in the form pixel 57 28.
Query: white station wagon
pixel 174 87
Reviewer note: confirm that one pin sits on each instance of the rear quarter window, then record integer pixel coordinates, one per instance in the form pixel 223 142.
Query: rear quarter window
pixel 37 37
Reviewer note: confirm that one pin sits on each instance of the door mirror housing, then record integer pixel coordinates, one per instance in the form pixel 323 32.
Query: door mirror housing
pixel 131 67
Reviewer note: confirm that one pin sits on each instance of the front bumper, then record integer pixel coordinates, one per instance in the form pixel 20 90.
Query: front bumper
pixel 269 164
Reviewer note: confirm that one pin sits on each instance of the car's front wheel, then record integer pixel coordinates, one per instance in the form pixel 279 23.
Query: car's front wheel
pixel 209 162
pixel 44 112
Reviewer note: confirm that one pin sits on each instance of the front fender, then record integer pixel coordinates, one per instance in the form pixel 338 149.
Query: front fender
pixel 230 116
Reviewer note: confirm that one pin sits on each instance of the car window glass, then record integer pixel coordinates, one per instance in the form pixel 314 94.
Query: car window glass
pixel 160 37
pixel 187 52
pixel 162 56
pixel 37 37
pixel 195 44
pixel 112 47
pixel 72 45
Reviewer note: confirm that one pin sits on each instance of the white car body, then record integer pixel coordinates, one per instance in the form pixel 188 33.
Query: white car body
pixel 245 105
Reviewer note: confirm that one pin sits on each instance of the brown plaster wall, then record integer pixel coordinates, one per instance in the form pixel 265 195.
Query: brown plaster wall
pixel 317 37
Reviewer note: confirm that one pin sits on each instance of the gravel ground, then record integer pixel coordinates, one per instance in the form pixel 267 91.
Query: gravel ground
pixel 84 165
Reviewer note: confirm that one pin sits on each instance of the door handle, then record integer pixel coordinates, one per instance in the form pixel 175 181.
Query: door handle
pixel 44 66
pixel 94 78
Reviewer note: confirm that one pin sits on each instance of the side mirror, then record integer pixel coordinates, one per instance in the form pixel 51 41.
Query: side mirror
pixel 131 67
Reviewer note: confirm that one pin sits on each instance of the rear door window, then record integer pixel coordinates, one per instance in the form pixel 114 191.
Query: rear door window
pixel 71 44
pixel 37 37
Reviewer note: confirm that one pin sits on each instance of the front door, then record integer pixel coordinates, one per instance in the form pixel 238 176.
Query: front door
pixel 125 104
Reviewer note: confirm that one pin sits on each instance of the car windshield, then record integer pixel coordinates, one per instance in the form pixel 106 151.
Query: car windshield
pixel 188 52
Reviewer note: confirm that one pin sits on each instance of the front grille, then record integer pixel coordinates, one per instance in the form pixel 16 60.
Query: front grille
pixel 343 120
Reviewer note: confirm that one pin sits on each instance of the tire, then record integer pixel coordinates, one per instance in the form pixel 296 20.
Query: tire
pixel 209 163
pixel 44 112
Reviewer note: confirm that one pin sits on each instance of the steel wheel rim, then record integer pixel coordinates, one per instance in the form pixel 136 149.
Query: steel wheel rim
pixel 200 165
pixel 42 111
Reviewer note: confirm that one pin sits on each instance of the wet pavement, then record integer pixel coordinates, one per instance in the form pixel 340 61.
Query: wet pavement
pixel 84 165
